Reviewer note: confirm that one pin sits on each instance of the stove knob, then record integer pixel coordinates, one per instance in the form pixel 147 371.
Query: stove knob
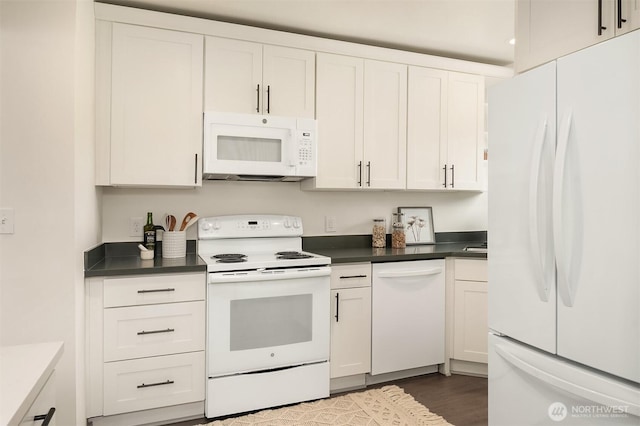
pixel 216 225
pixel 286 223
pixel 206 226
pixel 296 224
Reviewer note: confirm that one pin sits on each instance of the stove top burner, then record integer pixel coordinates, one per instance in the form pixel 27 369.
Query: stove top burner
pixel 292 255
pixel 230 258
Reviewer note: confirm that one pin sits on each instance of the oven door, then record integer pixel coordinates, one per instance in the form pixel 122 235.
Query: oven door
pixel 267 319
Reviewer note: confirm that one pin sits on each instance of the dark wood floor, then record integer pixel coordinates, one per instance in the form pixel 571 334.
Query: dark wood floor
pixel 461 400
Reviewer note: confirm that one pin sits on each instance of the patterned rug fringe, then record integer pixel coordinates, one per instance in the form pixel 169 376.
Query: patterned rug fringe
pixel 385 406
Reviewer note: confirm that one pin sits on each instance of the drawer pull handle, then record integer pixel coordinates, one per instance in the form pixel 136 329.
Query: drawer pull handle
pixel 46 417
pixel 168 330
pixel 344 277
pixel 160 290
pixel 150 385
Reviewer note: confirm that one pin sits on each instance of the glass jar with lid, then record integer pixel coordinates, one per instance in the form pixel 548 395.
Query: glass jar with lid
pixel 398 238
pixel 379 233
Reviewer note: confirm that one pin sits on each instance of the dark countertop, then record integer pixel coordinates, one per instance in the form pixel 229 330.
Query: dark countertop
pixel 113 259
pixel 417 252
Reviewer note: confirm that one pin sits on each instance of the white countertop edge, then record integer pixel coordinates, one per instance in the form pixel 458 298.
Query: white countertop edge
pixel 24 369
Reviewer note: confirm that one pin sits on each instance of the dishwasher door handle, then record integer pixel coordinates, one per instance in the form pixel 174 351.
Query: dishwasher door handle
pixel 410 273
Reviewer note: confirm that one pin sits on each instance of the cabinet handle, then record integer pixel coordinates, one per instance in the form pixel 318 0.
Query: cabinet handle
pixel 368 173
pixel 168 330
pixel 159 290
pixel 445 175
pixel 46 417
pixel 258 100
pixel 268 99
pixel 150 385
pixel 195 169
pixel 360 173
pixel 337 307
pixel 343 277
pixel 600 27
pixel 620 20
pixel 453 176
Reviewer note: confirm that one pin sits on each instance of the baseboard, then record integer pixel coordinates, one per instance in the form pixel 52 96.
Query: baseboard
pixel 348 383
pixel 397 375
pixel 468 368
pixel 156 416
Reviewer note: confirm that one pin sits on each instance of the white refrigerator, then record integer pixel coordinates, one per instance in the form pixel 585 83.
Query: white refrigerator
pixel 564 240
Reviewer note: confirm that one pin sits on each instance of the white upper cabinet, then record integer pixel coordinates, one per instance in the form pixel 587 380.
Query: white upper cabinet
pixel 247 77
pixel 546 30
pixel 148 106
pixel 339 110
pixel 361 112
pixel 385 125
pixel 445 130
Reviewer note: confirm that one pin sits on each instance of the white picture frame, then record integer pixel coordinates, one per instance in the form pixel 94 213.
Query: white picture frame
pixel 418 225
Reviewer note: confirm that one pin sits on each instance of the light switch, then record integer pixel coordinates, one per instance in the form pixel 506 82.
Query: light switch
pixel 6 221
pixel 329 224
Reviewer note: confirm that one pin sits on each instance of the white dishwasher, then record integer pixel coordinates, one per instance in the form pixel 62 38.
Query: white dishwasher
pixel 407 327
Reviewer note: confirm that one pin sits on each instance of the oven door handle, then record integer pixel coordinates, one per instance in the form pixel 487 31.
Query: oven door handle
pixel 268 275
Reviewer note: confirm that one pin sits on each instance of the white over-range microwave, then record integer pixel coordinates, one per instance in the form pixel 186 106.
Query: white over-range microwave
pixel 258 147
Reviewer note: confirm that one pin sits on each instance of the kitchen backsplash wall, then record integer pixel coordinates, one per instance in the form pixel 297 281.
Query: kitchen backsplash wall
pixel 353 210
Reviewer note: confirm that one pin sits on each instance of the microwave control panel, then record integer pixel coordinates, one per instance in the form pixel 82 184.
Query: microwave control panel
pixel 306 149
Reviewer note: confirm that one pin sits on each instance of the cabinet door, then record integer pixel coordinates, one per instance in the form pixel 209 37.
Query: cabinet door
pixel 339 108
pixel 233 75
pixel 289 82
pixel 350 331
pixel 156 107
pixel 470 328
pixel 385 125
pixel 426 128
pixel 546 30
pixel 465 131
pixel 628 16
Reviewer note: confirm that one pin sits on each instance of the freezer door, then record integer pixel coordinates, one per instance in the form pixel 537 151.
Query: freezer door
pixel 522 133
pixel 597 206
pixel 527 386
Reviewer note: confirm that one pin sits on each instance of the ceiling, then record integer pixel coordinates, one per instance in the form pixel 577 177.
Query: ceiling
pixel 476 30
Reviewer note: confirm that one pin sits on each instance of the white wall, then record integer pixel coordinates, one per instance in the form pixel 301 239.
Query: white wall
pixel 46 164
pixel 353 210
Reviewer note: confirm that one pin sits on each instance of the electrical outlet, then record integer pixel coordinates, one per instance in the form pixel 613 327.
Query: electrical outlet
pixel 329 224
pixel 135 226
pixel 6 221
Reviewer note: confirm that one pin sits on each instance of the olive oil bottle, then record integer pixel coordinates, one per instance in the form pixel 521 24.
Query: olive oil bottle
pixel 149 233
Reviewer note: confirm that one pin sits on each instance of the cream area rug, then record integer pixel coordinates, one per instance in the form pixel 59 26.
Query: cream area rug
pixel 389 405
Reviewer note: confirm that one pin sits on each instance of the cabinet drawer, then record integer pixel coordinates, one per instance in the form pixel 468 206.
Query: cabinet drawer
pixel 471 270
pixel 351 275
pixel 140 331
pixel 130 291
pixel 45 401
pixel 153 382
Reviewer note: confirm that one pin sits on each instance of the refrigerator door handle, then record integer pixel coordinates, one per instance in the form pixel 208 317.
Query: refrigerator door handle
pixel 542 283
pixel 559 245
pixel 565 383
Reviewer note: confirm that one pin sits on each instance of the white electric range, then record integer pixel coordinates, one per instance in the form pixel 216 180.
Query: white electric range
pixel 267 314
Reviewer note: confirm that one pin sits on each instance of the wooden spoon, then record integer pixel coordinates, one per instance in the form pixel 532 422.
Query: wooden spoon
pixel 188 217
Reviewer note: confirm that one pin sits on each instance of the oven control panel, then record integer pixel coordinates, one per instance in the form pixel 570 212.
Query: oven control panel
pixel 248 226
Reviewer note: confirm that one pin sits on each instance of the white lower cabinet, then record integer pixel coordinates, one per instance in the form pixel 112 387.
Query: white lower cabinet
pixel 43 407
pixel 350 319
pixel 140 384
pixel 470 320
pixel 145 345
